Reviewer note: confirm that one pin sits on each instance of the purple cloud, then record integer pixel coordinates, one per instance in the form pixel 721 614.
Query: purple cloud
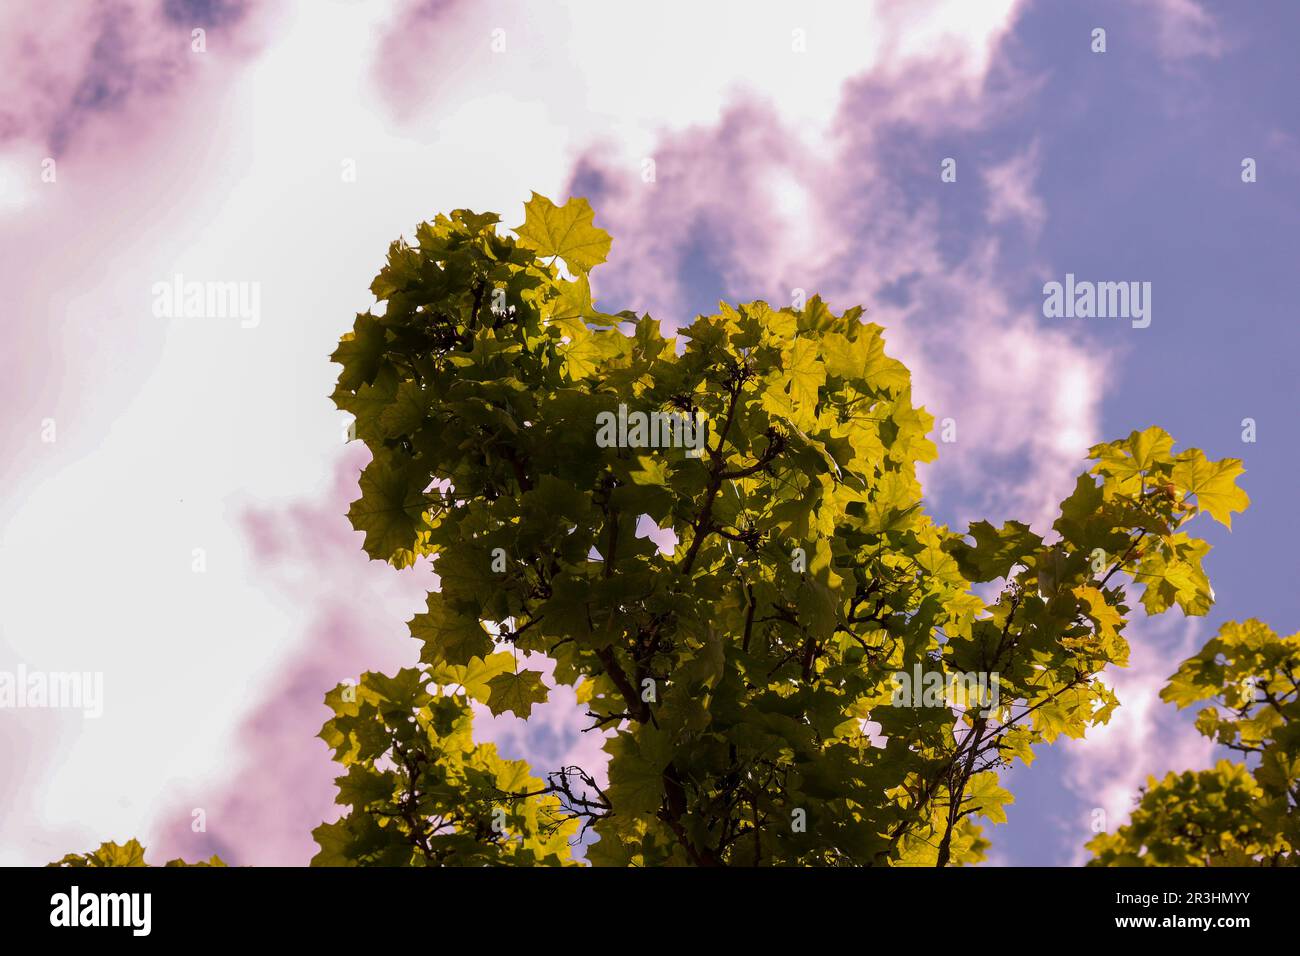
pixel 95 71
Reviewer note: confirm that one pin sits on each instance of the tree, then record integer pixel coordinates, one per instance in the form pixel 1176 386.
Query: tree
pixel 748 676
pixel 128 854
pixel 1234 814
pixel 419 788
pixel 816 673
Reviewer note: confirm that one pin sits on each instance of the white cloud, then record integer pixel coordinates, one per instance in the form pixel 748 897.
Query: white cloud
pixel 1145 736
pixel 1011 190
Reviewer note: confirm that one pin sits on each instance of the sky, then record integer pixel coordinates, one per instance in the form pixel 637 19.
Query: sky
pixel 176 487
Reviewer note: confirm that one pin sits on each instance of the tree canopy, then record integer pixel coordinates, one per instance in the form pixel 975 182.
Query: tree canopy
pixel 1233 814
pixel 746 677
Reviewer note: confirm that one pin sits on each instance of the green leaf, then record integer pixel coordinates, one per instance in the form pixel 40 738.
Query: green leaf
pixel 516 693
pixel 566 231
pixel 995 551
pixel 128 854
pixel 804 375
pixel 449 636
pixel 390 509
pixel 360 352
pixel 987 798
pixel 1126 461
pixel 1214 483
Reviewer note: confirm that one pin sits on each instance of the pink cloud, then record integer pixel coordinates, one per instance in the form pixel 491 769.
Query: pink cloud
pixel 79 74
pixel 1010 185
pixel 767 210
pixel 280 786
pixel 1145 736
pixel 104 92
pixel 1185 29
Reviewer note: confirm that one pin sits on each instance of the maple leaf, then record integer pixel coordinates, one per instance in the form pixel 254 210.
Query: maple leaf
pixel 566 231
pixel 516 693
pixel 1214 483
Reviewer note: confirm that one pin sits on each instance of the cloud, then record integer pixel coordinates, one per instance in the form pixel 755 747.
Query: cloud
pixel 1185 29
pixel 77 72
pixel 263 806
pixel 1145 736
pixel 689 61
pixel 1010 186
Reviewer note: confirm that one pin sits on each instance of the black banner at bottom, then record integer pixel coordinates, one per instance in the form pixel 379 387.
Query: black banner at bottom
pixel 495 906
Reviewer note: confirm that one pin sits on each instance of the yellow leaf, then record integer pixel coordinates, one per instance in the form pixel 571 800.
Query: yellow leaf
pixel 1213 482
pixel 566 231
